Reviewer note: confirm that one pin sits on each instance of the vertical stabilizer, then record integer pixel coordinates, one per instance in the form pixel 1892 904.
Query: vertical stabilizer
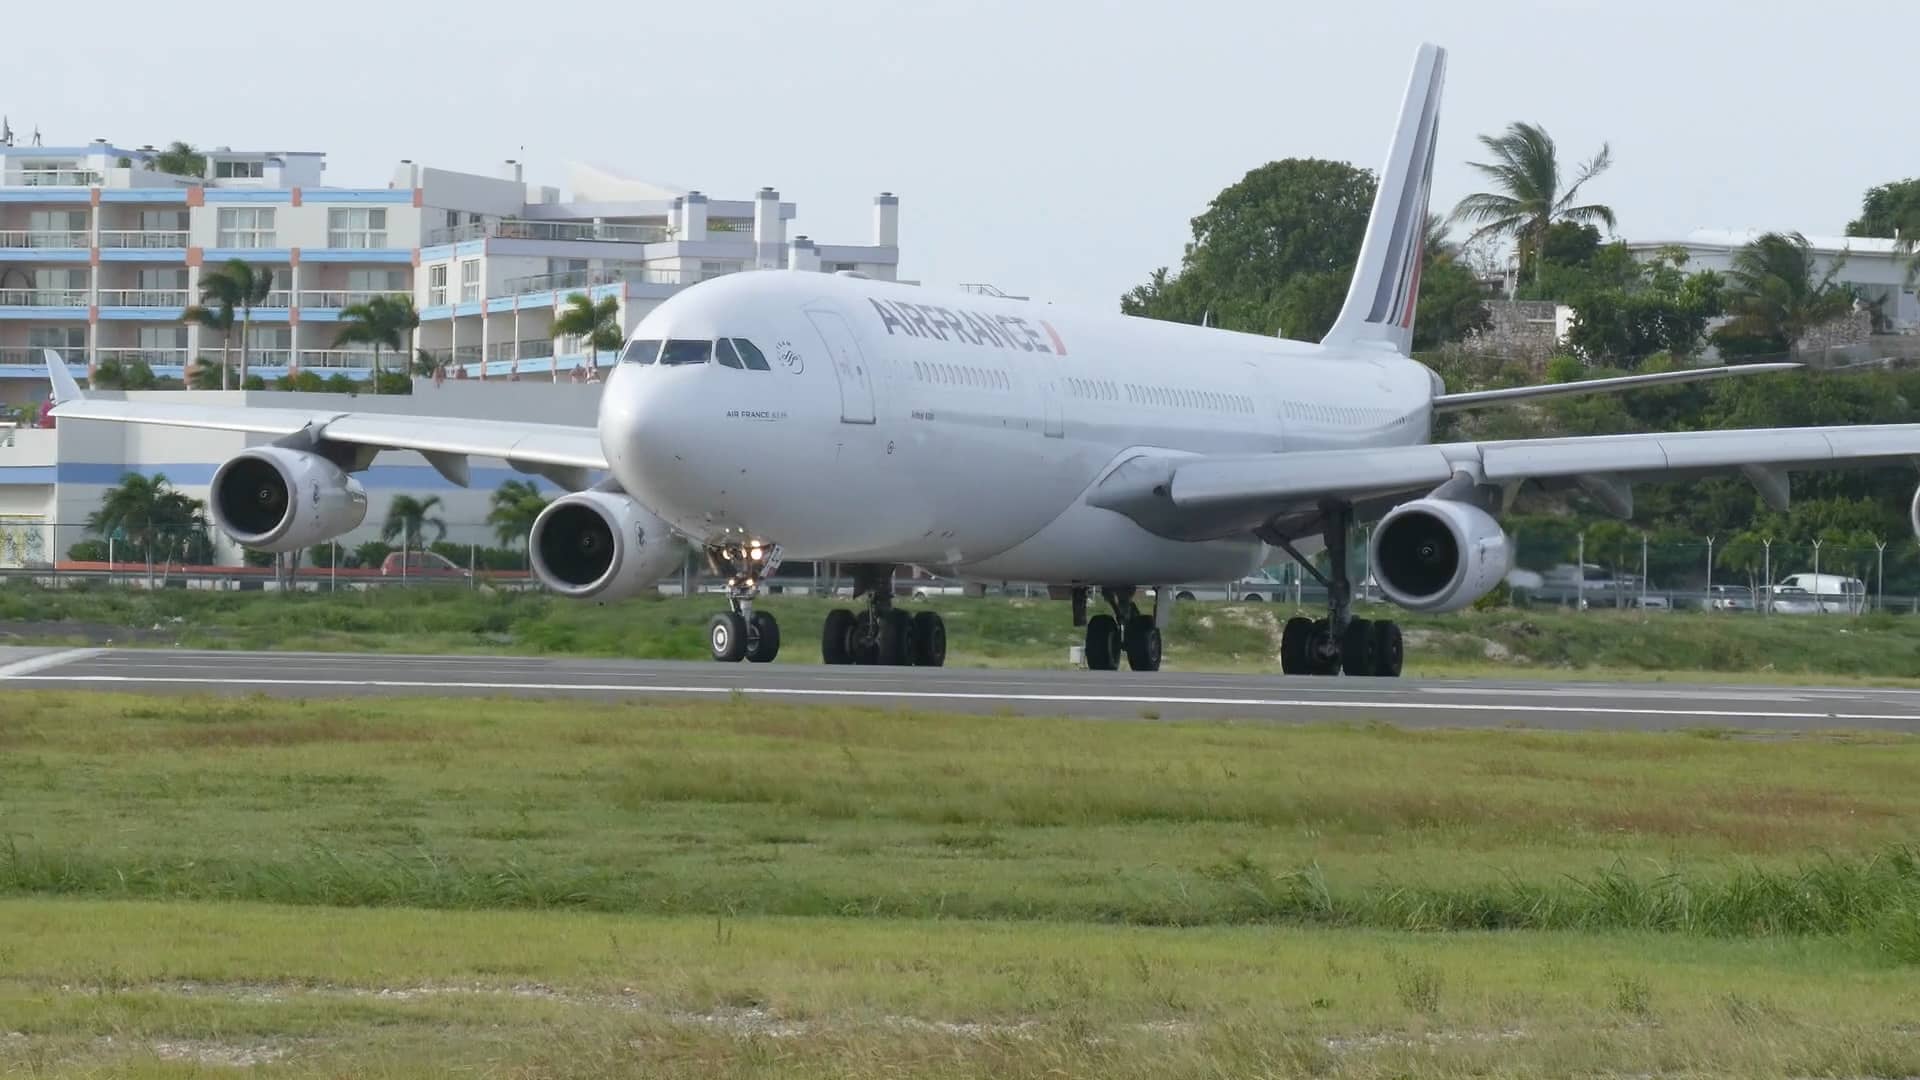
pixel 1379 308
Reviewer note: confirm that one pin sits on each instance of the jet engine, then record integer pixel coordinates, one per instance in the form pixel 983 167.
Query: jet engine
pixel 1439 554
pixel 272 498
pixel 601 545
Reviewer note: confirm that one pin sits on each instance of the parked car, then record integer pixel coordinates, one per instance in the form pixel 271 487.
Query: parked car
pixel 1832 593
pixel 1793 600
pixel 1257 587
pixel 1730 598
pixel 429 564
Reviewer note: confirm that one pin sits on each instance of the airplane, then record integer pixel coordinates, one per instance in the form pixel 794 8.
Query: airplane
pixel 773 415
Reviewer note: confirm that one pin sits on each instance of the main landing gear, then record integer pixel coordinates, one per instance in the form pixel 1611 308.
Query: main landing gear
pixel 1339 642
pixel 741 633
pixel 882 634
pixel 1128 632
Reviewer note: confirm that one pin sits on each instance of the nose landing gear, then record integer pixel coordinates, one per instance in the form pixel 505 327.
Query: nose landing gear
pixel 741 633
pixel 882 635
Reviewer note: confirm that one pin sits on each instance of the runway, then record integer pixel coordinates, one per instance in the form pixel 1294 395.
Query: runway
pixel 1117 695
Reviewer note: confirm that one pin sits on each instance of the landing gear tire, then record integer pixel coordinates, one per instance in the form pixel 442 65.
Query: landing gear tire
pixel 1356 648
pixel 836 637
pixel 763 639
pixel 865 643
pixel 1296 646
pixel 896 639
pixel 929 640
pixel 727 637
pixel 1388 650
pixel 1323 655
pixel 1104 645
pixel 1143 644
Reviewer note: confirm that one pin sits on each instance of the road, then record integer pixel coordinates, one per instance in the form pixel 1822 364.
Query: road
pixel 1112 695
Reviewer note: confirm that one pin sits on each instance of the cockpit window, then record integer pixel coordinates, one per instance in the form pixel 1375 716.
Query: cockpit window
pixel 640 351
pixel 723 352
pixel 687 352
pixel 750 353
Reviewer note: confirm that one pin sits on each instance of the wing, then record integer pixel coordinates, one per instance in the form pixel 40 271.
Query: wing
pixel 1475 399
pixel 1281 494
pixel 563 453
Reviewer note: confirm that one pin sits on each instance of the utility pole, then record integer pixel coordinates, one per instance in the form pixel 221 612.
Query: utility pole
pixel 1819 604
pixel 1880 575
pixel 1709 571
pixel 1643 571
pixel 1766 546
pixel 1580 574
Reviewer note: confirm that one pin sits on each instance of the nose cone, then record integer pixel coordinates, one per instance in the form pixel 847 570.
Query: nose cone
pixel 644 422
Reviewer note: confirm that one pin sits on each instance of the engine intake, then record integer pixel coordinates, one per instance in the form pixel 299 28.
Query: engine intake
pixel 1439 554
pixel 601 545
pixel 275 499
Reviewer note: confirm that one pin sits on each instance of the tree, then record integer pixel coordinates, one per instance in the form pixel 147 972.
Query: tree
pixel 379 321
pixel 596 323
pixel 408 519
pixel 219 296
pixel 1893 210
pixel 1453 303
pixel 237 285
pixel 1775 295
pixel 515 504
pixel 1273 252
pixel 181 159
pixel 152 518
pixel 1530 198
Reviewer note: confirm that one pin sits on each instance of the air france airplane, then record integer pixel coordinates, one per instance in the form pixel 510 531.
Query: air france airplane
pixel 770 415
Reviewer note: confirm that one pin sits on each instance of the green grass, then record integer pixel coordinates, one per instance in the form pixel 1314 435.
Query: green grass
pixel 992 632
pixel 522 888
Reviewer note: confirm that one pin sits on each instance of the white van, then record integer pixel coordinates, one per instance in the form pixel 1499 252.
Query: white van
pixel 1822 593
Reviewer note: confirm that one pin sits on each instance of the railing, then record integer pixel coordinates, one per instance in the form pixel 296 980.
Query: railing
pixel 55 177
pixel 143 238
pixel 335 299
pixel 44 238
pixel 149 357
pixel 466 354
pixel 263 357
pixel 516 229
pixel 587 279
pixel 160 298
pixel 35 356
pixel 529 350
pixel 278 298
pixel 337 359
pixel 43 298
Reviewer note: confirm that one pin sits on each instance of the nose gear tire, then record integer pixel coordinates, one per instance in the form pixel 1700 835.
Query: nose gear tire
pixel 727 637
pixel 763 643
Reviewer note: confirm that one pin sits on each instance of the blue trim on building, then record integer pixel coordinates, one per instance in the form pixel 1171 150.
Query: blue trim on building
pixel 46 255
pixel 390 196
pixel 77 314
pixel 38 371
pixel 470 308
pixel 501 303
pixel 442 311
pixel 150 255
pixel 244 195
pixel 144 195
pixel 213 255
pixel 453 251
pixel 146 314
pixel 46 195
pixel 356 255
pixel 310 314
pixel 27 474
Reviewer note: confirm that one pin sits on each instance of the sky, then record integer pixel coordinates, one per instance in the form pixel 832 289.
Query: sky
pixel 1054 148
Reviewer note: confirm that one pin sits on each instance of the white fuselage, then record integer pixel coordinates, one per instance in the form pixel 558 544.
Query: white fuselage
pixel 963 432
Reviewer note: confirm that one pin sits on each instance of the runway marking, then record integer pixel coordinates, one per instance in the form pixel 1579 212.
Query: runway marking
pixel 41 663
pixel 957 695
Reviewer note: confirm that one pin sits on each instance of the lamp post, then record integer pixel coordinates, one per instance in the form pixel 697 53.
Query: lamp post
pixel 1819 605
pixel 1766 547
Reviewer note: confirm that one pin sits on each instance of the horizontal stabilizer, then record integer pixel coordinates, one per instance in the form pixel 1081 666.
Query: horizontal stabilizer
pixel 1517 394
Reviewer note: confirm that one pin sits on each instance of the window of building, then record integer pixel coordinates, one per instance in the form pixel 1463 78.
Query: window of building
pixel 59 338
pixel 640 351
pixel 357 227
pixel 437 285
pixel 377 280
pixel 163 337
pixel 163 220
pixel 239 170
pixel 57 221
pixel 245 227
pixel 469 281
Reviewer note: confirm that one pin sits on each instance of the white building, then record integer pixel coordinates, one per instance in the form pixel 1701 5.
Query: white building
pixel 1876 267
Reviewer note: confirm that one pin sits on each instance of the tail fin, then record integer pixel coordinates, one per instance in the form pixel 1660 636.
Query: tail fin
pixel 1379 308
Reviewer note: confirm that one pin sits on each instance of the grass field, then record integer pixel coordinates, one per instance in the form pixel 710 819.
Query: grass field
pixel 990 632
pixel 541 889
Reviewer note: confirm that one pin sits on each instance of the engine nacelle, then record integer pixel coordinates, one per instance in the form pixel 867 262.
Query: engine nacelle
pixel 602 546
pixel 271 498
pixel 1439 554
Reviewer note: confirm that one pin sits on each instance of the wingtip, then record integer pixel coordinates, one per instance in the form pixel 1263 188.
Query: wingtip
pixel 64 388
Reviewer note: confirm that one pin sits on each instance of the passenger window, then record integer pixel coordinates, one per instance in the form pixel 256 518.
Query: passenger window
pixel 750 355
pixel 723 352
pixel 686 352
pixel 640 351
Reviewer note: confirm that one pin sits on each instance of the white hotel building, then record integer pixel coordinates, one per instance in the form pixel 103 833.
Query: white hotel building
pixel 100 254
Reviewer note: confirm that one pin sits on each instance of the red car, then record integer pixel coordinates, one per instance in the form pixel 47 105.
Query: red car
pixel 430 564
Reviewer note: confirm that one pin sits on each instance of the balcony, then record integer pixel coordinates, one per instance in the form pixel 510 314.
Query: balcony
pixel 515 229
pixel 153 358
pixel 143 238
pixel 44 238
pixel 35 356
pixel 587 279
pixel 54 178
pixel 344 359
pixel 336 299
pixel 278 298
pixel 529 350
pixel 67 298
pixel 147 298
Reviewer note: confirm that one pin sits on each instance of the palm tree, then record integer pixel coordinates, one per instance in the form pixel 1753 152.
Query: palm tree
pixel 251 286
pixel 1437 246
pixel 1772 292
pixel 596 322
pixel 408 518
pixel 181 159
pixel 515 504
pixel 219 294
pixel 1530 199
pixel 378 321
pixel 148 510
